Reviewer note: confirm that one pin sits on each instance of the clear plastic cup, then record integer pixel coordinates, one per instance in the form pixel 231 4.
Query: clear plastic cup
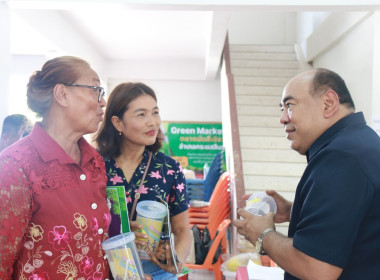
pixel 123 257
pixel 261 204
pixel 151 215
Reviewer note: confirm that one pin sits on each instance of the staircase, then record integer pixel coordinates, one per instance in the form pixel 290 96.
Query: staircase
pixel 260 73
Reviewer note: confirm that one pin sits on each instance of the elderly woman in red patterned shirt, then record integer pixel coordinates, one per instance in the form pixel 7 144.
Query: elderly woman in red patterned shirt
pixel 53 210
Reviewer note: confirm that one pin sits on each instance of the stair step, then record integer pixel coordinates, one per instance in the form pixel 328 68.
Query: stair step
pixel 262 72
pixel 259 110
pixel 263 56
pixel 259 90
pixel 262 131
pixel 279 183
pixel 268 155
pixel 261 81
pixel 260 100
pixel 284 64
pixel 259 121
pixel 264 142
pixel 273 169
pixel 261 48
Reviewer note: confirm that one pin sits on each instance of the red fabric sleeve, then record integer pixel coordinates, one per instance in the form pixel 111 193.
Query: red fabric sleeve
pixel 15 212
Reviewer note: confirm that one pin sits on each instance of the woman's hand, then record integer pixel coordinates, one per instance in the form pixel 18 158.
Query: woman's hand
pixel 141 237
pixel 163 258
pixel 161 251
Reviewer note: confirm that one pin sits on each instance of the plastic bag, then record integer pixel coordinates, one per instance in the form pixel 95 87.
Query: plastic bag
pixel 197 244
pixel 205 243
pixel 232 263
pixel 202 244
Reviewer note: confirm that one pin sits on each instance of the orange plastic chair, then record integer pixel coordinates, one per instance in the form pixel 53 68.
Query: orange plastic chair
pixel 212 221
pixel 207 264
pixel 221 214
pixel 222 200
pixel 218 209
pixel 220 192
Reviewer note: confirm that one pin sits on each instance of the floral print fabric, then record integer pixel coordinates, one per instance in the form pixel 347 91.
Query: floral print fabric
pixel 164 180
pixel 53 212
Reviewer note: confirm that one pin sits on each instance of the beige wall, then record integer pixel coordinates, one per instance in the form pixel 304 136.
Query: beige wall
pixel 346 43
pixel 262 28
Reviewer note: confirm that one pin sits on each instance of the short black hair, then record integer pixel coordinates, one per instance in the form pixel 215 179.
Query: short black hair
pixel 13 123
pixel 325 79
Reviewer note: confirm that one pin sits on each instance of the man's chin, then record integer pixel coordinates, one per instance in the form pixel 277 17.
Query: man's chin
pixel 298 150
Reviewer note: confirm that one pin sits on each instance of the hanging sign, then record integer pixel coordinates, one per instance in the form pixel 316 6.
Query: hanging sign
pixel 192 144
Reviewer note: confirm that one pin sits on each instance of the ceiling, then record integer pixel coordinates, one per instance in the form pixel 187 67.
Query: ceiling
pixel 120 34
pixel 124 37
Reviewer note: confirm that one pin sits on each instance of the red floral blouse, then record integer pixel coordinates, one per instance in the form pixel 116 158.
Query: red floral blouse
pixel 53 212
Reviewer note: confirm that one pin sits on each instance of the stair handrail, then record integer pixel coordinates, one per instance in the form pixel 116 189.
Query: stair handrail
pixel 238 179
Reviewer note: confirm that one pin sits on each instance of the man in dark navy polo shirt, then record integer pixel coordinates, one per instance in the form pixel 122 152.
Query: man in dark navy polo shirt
pixel 334 230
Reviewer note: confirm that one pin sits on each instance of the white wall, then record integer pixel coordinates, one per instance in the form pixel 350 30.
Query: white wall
pixel 263 28
pixel 27 28
pixel 180 99
pixel 5 60
pixel 67 39
pixel 159 69
pixel 307 22
pixel 185 101
pixel 352 57
pixel 200 100
pixel 376 67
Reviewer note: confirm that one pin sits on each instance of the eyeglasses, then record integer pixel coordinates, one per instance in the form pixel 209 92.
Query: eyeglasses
pixel 100 90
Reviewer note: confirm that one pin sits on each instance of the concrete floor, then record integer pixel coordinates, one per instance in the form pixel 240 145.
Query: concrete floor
pixel 200 274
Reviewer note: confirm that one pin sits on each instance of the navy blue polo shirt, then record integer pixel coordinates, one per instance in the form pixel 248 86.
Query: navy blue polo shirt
pixel 336 211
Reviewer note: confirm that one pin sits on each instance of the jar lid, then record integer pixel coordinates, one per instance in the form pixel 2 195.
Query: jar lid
pixel 151 209
pixel 118 240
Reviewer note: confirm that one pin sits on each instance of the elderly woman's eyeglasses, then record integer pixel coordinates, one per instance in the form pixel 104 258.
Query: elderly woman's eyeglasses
pixel 100 90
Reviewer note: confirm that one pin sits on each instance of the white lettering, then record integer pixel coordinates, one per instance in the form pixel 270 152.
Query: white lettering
pixel 176 130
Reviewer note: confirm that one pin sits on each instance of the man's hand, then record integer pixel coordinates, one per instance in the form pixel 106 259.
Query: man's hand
pixel 283 207
pixel 252 226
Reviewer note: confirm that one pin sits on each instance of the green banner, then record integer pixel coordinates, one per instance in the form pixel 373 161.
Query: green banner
pixel 192 144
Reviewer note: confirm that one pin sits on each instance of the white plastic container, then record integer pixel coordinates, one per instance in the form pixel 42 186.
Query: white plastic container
pixel 151 215
pixel 261 204
pixel 123 257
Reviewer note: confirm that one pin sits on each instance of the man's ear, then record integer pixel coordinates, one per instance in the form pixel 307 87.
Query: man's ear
pixel 331 103
pixel 60 95
pixel 117 123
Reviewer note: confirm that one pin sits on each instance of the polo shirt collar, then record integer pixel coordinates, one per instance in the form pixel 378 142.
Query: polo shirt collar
pixel 49 150
pixel 329 134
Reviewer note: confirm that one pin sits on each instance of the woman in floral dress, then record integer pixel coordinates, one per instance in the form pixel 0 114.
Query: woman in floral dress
pixel 130 131
pixel 53 210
